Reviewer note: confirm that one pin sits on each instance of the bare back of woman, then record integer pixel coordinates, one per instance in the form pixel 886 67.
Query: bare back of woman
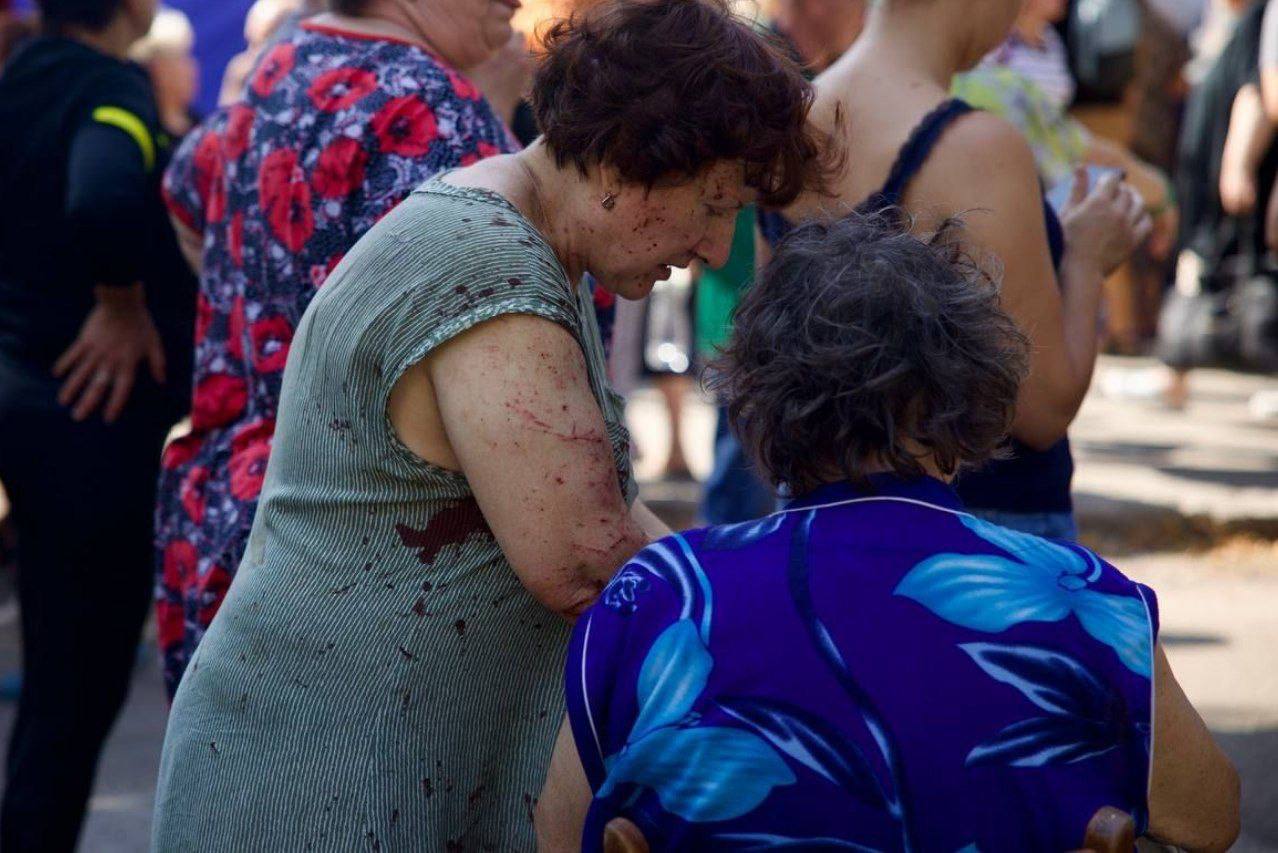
pixel 908 142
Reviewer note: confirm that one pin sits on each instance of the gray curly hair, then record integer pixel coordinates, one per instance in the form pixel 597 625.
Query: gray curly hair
pixel 862 345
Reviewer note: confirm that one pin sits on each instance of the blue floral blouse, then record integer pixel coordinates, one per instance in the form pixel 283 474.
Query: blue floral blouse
pixel 870 669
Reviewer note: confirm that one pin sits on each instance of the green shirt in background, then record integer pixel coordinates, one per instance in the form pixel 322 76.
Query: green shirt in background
pixel 719 290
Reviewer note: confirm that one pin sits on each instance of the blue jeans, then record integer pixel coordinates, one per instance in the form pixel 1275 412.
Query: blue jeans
pixel 1050 525
pixel 734 491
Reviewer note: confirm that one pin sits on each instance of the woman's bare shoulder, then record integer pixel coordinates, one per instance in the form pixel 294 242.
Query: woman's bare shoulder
pixel 984 155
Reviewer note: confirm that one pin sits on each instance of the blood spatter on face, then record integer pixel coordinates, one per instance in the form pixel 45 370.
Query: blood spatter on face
pixel 452 525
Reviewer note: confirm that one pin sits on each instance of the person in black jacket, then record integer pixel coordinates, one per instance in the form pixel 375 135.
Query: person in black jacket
pixel 96 312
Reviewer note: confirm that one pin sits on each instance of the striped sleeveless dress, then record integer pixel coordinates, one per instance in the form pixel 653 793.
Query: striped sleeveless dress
pixel 378 678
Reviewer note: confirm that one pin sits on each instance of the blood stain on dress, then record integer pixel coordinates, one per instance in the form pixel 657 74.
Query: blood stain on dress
pixel 452 525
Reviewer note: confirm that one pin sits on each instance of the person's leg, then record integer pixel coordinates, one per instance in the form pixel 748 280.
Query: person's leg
pixel 734 492
pixel 83 498
pixel 674 388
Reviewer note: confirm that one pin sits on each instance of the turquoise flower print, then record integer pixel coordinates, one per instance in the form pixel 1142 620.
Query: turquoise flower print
pixel 699 773
pixel 622 594
pixel 1038 581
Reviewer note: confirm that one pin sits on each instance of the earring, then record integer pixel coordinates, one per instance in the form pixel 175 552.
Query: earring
pixel 609 201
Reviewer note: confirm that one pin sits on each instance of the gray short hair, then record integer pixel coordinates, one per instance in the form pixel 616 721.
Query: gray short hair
pixel 862 344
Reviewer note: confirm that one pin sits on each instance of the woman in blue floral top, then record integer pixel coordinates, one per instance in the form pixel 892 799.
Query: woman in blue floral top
pixel 872 668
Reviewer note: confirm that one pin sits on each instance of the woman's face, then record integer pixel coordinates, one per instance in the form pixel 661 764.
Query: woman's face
pixel 648 232
pixel 467 32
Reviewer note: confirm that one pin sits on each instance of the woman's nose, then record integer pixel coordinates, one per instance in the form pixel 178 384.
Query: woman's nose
pixel 715 247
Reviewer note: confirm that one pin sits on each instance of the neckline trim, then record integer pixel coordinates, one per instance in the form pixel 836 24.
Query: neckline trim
pixel 342 32
pixel 924 489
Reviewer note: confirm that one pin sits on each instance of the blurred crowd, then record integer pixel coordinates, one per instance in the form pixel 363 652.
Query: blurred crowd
pixel 1148 125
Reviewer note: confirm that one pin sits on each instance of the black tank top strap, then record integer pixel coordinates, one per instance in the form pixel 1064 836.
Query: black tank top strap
pixel 912 156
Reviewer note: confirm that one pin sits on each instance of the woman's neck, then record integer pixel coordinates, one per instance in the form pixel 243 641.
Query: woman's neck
pixel 917 39
pixel 552 199
pixel 387 19
pixel 926 461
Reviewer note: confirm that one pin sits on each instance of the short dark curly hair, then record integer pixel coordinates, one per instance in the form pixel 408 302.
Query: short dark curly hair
pixel 862 345
pixel 90 14
pixel 661 89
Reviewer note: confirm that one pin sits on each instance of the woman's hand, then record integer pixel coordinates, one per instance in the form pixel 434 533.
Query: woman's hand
pixel 1103 224
pixel 102 363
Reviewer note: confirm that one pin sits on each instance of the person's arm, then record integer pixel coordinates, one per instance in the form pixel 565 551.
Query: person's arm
pixel 108 192
pixel 516 405
pixel 565 798
pixel 985 168
pixel 652 526
pixel 1194 790
pixel 1268 75
pixel 186 206
pixel 190 243
pixel 107 187
pixel 1250 134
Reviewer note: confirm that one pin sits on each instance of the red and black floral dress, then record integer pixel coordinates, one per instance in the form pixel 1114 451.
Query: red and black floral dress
pixel 335 129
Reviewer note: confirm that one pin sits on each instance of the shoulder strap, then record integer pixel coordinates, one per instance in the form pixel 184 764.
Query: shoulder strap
pixel 918 148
